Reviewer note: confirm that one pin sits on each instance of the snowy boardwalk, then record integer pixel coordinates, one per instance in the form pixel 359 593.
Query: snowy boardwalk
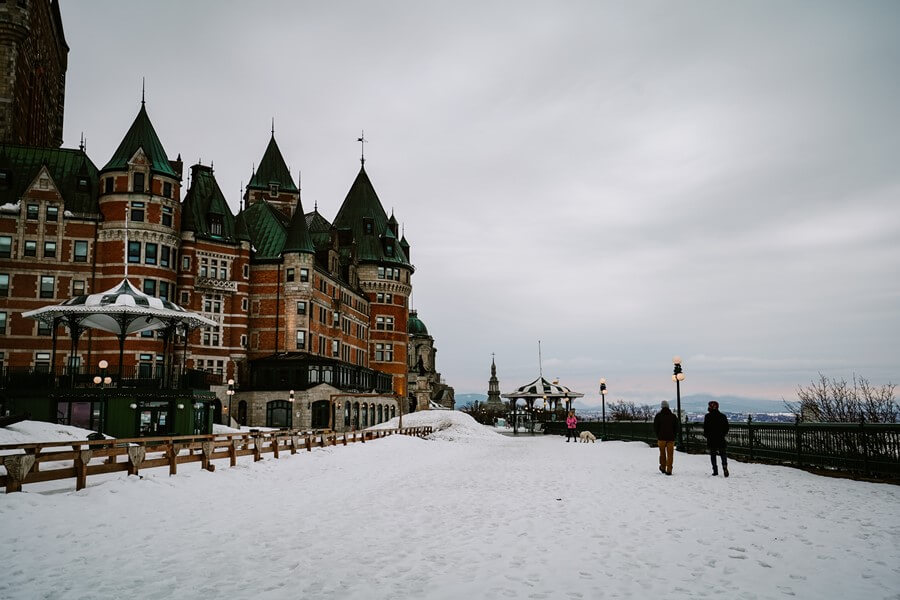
pixel 468 515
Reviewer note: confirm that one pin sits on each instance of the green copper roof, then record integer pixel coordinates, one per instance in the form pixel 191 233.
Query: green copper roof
pixel 297 238
pixel 272 169
pixel 73 173
pixel 205 202
pixel 414 326
pixel 266 227
pixel 404 244
pixel 141 135
pixel 360 205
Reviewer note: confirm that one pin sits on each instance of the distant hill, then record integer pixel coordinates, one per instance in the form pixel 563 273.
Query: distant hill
pixel 463 400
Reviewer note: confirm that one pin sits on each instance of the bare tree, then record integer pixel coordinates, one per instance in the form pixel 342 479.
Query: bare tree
pixel 837 401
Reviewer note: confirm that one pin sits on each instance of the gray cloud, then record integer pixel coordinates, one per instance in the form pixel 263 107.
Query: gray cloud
pixel 623 182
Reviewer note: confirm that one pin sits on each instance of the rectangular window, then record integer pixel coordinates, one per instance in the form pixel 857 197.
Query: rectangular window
pixel 49 249
pixel 380 272
pixel 223 273
pixel 30 248
pixel 150 251
pixel 335 319
pixel 304 275
pixel 53 213
pixel 335 348
pixel 215 224
pixel 5 246
pixel 2 322
pixel 43 328
pixel 150 287
pixel 31 212
pixel 78 287
pixel 164 290
pixel 4 285
pixel 167 213
pixel 48 285
pixel 323 286
pixel 384 352
pixel 42 362
pixel 164 256
pixel 108 185
pixel 134 252
pixel 289 275
pixel 301 339
pixel 167 192
pixel 79 254
pixel 244 304
pixel 301 308
pixel 138 186
pixel 184 298
pixel 247 272
pixel 185 263
pixel 389 323
pixel 137 211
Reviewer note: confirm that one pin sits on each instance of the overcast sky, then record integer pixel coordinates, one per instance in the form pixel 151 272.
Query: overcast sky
pixel 623 181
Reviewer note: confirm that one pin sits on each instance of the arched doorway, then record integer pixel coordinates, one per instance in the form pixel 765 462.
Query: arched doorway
pixel 380 414
pixel 319 416
pixel 242 412
pixel 355 417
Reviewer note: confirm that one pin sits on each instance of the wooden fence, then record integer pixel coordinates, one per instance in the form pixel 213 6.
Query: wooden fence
pixel 82 459
pixel 868 449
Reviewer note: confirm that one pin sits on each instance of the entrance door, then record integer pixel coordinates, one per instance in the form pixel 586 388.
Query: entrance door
pixel 154 419
pixel 320 414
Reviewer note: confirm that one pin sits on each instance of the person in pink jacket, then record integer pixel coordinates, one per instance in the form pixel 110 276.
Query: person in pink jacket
pixel 571 424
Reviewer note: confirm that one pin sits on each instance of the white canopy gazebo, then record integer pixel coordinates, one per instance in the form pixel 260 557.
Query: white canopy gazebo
pixel 122 310
pixel 549 392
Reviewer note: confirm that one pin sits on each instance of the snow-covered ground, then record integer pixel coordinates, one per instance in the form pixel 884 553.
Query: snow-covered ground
pixel 468 514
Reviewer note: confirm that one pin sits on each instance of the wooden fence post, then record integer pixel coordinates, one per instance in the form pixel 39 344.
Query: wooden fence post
pixel 308 443
pixel 232 452
pixel 17 467
pixel 136 455
pixel 172 453
pixel 295 441
pixel 82 458
pixel 276 439
pixel 208 448
pixel 257 448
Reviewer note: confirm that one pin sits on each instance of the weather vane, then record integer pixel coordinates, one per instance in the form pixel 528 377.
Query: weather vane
pixel 362 141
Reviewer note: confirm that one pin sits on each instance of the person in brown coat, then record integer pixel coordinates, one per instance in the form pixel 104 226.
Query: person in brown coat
pixel 666 426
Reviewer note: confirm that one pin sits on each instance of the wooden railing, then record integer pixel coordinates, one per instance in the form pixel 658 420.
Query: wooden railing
pixel 82 459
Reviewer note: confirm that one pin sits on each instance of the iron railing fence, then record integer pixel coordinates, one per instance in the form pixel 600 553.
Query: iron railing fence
pixel 131 376
pixel 868 449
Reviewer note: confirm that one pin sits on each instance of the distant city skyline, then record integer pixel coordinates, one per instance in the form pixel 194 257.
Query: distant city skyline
pixel 625 183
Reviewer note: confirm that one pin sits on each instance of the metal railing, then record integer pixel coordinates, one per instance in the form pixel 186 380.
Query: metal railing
pixel 866 449
pixel 132 376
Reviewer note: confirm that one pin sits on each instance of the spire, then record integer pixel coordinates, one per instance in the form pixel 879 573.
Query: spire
pixel 297 237
pixel 273 128
pixel 143 86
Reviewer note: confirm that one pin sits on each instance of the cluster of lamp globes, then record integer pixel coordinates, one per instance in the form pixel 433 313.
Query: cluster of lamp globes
pixel 677 375
pixel 104 380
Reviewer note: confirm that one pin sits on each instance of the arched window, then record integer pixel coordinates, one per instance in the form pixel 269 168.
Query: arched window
pixel 380 420
pixel 242 412
pixel 393 412
pixel 278 413
pixel 371 414
pixel 365 416
pixel 346 414
pixel 355 417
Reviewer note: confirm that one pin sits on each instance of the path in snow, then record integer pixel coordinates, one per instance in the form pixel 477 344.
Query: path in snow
pixel 496 517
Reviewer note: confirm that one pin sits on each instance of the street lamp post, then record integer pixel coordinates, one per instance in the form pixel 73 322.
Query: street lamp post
pixel 230 394
pixel 603 403
pixel 102 381
pixel 678 377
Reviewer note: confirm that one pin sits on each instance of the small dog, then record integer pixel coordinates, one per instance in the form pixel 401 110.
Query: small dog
pixel 587 436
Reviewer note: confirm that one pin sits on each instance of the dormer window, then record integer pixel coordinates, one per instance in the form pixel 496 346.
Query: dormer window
pixel 215 224
pixel 82 184
pixel 389 249
pixel 137 183
pixel 273 189
pixel 368 225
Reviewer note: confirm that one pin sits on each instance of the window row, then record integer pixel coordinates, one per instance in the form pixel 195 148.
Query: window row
pixel 289 275
pixel 32 212
pixel 215 268
pixel 138 185
pixel 50 250
pixel 389 273
pixel 153 253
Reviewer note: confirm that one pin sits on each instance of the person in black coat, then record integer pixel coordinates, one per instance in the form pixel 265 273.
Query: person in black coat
pixel 666 426
pixel 715 428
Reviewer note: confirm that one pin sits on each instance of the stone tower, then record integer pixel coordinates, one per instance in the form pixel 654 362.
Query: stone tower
pixel 493 398
pixel 34 55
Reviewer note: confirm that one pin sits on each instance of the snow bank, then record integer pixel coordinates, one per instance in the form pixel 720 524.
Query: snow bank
pixel 448 426
pixel 244 429
pixel 28 432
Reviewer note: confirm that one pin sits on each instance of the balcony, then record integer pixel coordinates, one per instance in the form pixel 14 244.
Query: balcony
pixel 216 285
pixel 136 377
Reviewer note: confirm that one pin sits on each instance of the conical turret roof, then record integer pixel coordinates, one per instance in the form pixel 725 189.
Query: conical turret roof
pixel 298 238
pixel 272 169
pixel 141 135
